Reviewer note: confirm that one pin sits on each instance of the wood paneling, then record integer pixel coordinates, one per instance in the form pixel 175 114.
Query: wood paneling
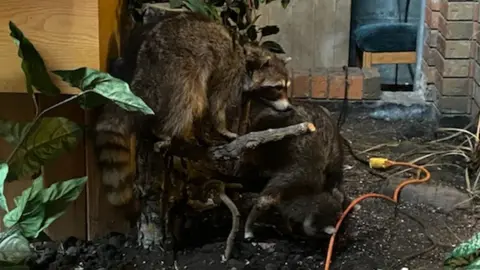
pixel 65 32
pixel 69 165
pixel 68 34
pixel 14 107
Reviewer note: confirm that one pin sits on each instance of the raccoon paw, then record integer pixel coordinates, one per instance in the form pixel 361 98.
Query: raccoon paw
pixel 228 135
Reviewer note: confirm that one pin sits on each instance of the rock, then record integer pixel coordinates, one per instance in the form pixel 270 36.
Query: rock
pixel 443 197
pixel 271 266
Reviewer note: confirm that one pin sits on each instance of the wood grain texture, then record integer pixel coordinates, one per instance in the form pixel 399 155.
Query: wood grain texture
pixel 102 217
pixel 14 107
pixel 69 165
pixel 65 32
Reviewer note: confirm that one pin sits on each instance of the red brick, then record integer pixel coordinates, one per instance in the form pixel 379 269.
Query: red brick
pixel 336 83
pixel 428 17
pixel 432 18
pixel 475 12
pixel 434 4
pixel 320 83
pixel 435 18
pixel 429 72
pixel 458 10
pixel 301 84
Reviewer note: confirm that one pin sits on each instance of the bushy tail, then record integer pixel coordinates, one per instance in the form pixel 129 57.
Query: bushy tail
pixel 113 145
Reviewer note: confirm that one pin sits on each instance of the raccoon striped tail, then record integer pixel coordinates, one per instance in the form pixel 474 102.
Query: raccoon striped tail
pixel 115 160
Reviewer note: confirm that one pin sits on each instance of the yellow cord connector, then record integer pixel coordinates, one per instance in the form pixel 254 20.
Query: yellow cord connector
pixel 379 163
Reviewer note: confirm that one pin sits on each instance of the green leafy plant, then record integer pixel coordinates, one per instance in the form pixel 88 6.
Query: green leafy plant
pixel 239 16
pixel 466 255
pixel 43 139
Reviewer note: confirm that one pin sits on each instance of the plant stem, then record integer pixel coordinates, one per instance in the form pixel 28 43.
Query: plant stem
pixel 37 117
pixel 35 103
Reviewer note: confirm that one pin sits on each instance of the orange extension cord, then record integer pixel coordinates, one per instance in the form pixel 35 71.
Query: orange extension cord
pixel 376 163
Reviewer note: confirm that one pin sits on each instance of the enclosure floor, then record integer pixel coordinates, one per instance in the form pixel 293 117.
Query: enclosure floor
pixel 377 238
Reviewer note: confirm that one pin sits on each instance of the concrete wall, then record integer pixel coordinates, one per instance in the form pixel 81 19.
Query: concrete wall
pixel 315 33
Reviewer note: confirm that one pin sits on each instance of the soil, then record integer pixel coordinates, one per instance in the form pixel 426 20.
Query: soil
pixel 375 237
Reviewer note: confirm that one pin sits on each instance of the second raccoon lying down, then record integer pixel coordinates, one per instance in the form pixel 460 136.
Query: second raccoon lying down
pixel 305 172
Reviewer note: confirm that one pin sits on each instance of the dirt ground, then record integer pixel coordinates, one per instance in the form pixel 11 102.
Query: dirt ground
pixel 378 238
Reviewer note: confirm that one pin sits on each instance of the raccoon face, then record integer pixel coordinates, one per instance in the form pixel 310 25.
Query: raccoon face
pixel 269 83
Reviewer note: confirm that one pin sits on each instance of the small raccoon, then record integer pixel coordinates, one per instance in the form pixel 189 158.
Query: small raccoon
pixel 321 222
pixel 305 172
pixel 188 69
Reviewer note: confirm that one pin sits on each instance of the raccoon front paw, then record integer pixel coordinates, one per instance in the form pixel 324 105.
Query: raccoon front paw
pixel 228 135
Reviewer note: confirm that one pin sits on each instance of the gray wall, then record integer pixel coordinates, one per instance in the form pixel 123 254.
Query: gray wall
pixel 315 33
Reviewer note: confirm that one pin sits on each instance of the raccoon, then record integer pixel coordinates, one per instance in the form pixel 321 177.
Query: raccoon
pixel 188 70
pixel 305 173
pixel 318 223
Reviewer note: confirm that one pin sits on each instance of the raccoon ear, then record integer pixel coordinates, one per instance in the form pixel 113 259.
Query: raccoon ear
pixel 255 56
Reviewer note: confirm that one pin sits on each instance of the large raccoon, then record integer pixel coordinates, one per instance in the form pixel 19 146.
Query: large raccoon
pixel 188 69
pixel 305 173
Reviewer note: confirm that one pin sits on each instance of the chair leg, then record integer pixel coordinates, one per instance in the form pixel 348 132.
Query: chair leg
pixel 367 60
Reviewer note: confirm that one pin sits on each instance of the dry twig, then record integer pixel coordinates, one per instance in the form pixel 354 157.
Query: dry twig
pixel 220 188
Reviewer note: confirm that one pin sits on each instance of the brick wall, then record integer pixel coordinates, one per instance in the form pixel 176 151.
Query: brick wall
pixel 451 63
pixel 329 84
pixel 450 50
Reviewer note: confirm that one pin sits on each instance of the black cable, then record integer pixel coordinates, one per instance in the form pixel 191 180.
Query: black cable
pixel 342 117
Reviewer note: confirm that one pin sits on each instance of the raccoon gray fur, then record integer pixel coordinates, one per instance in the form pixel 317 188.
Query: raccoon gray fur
pixel 305 172
pixel 188 69
pixel 321 222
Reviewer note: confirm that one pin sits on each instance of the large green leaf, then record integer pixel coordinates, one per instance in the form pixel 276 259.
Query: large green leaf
pixel 106 86
pixel 3 177
pixel 285 3
pixel 273 46
pixel 475 265
pixel 14 247
pixel 28 215
pixel 464 254
pixel 58 197
pixel 38 207
pixel 36 74
pixel 47 139
pixel 12 132
pixel 201 7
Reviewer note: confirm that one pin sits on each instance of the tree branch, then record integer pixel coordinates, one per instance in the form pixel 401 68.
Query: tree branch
pixel 234 149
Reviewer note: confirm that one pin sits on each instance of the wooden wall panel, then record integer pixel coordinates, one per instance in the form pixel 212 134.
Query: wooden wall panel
pixel 67 166
pixel 102 217
pixel 65 32
pixel 15 107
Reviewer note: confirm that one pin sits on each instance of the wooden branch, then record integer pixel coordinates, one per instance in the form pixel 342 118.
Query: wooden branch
pixel 252 140
pixel 234 149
